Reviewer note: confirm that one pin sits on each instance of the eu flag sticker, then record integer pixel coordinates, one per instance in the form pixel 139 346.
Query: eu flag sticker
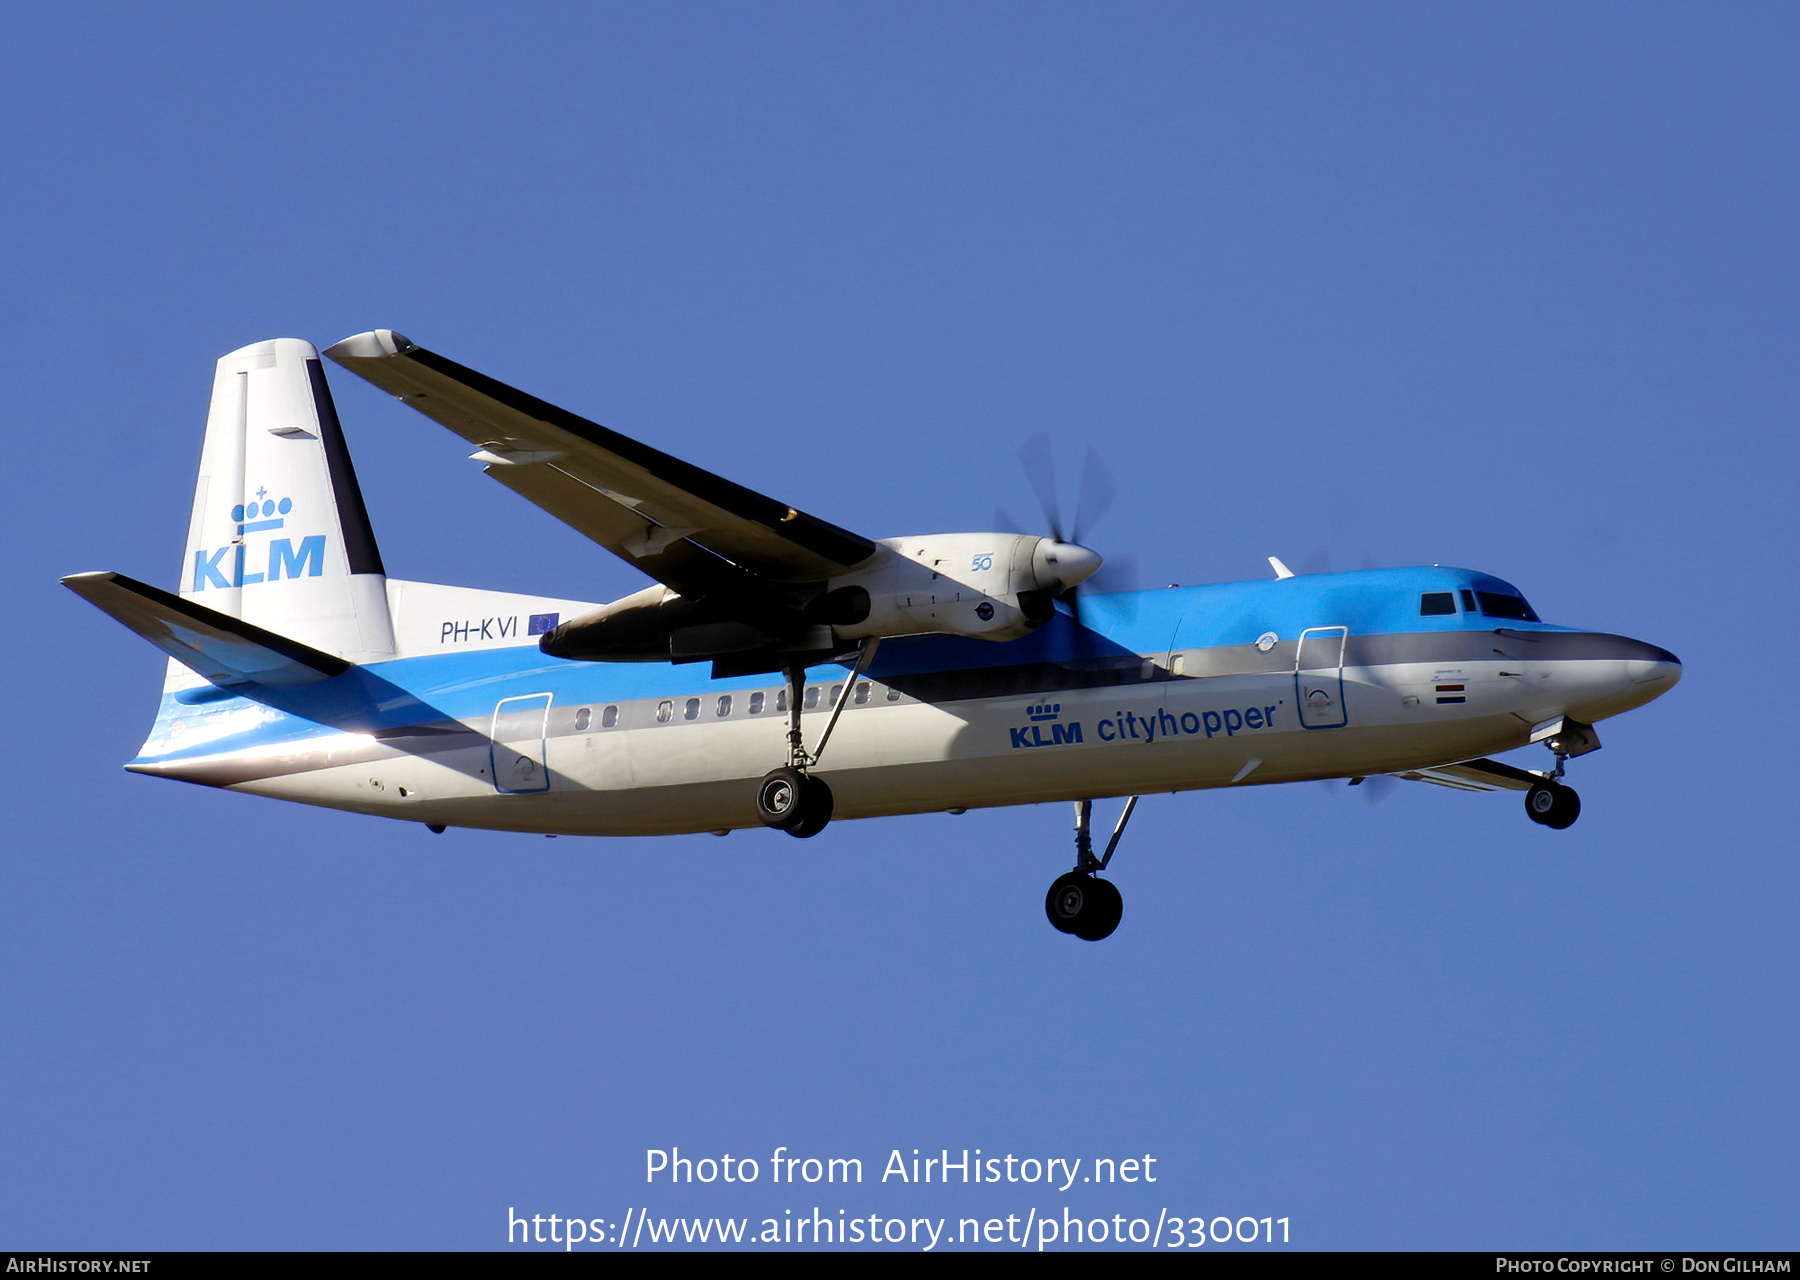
pixel 542 622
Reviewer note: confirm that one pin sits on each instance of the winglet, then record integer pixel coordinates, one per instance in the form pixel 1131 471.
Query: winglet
pixel 227 651
pixel 1281 570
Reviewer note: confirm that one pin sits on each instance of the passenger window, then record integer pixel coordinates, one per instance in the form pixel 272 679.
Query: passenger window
pixel 812 697
pixel 1435 604
pixel 837 691
pixel 724 704
pixel 893 695
pixel 665 712
pixel 862 693
pixel 609 717
pixel 1177 664
pixel 582 719
pixel 781 699
pixel 691 709
pixel 756 703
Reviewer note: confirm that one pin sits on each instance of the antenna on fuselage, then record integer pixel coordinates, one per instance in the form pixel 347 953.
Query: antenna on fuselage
pixel 1281 570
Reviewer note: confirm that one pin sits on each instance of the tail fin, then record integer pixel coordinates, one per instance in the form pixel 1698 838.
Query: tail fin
pixel 279 536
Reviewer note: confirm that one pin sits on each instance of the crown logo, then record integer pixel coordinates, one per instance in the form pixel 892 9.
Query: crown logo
pixel 1044 710
pixel 264 513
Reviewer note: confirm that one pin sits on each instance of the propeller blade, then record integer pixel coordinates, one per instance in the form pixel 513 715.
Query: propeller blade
pixel 1378 787
pixel 1035 457
pixel 1117 573
pixel 1095 497
pixel 1072 598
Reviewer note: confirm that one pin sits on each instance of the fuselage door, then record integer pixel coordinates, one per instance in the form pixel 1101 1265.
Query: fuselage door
pixel 517 752
pixel 1319 677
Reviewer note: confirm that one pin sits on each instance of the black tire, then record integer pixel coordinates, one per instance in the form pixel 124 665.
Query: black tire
pixel 781 799
pixel 1104 910
pixel 816 804
pixel 1067 900
pixel 1568 808
pixel 1084 905
pixel 1553 805
pixel 1539 801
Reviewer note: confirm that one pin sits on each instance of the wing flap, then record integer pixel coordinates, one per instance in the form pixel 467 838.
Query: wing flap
pixel 227 651
pixel 517 433
pixel 1476 775
pixel 676 562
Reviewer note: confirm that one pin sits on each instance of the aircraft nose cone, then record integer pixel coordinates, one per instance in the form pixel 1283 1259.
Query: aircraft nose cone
pixel 1649 665
pixel 1064 563
pixel 1613 674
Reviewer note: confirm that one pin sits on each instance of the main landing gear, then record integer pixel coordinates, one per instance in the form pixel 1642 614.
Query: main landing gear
pixel 790 798
pixel 1079 901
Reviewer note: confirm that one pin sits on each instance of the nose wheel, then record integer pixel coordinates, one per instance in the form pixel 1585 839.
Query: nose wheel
pixel 1079 901
pixel 1551 804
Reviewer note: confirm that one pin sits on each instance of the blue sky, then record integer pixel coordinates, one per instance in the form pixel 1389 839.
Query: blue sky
pixel 1505 287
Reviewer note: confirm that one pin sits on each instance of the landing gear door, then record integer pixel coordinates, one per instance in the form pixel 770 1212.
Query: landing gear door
pixel 517 752
pixel 1319 677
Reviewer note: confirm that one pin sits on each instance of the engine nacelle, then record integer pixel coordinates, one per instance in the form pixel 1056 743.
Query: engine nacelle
pixel 994 586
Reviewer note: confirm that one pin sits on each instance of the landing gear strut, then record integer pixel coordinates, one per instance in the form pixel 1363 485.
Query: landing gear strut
pixel 1549 803
pixel 790 798
pixel 1079 901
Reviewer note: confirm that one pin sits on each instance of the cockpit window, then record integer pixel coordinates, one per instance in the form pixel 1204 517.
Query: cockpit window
pixel 1434 604
pixel 1496 605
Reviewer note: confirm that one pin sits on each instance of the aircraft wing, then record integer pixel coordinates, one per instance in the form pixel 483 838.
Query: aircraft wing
pixel 695 531
pixel 1476 775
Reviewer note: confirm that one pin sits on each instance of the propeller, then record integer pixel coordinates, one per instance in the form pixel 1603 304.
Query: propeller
pixel 1066 559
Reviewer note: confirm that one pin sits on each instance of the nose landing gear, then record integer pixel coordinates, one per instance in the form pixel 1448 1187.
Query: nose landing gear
pixel 1079 901
pixel 1550 803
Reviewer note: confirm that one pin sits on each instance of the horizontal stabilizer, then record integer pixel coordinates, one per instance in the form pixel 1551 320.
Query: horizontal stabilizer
pixel 1477 775
pixel 226 650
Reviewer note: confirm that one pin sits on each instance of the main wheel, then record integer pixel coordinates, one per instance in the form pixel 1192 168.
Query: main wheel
pixel 1084 905
pixel 1553 805
pixel 1105 908
pixel 816 803
pixel 781 799
pixel 1066 901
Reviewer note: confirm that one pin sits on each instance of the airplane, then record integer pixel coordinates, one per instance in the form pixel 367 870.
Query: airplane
pixel 943 672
